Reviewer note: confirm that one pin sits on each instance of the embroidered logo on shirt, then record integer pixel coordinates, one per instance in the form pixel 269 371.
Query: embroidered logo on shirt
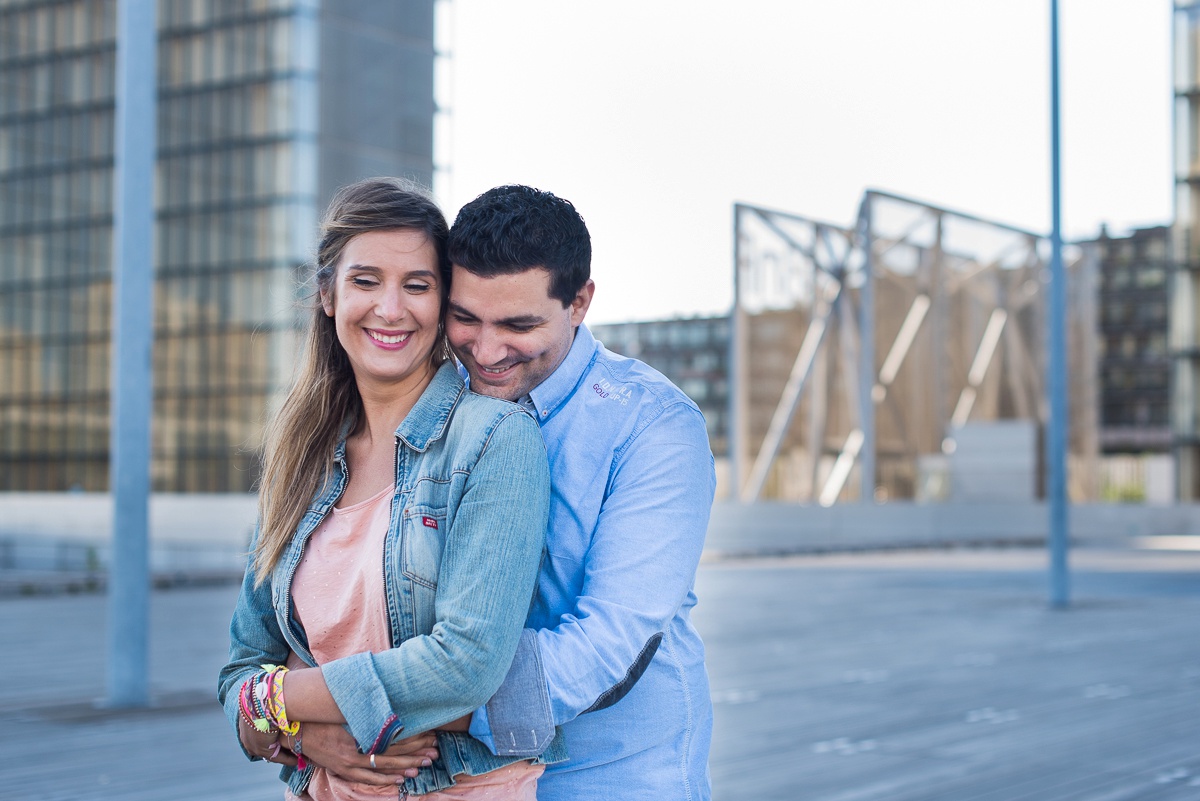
pixel 606 390
pixel 429 522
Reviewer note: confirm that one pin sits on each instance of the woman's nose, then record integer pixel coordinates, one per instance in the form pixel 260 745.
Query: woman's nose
pixel 391 307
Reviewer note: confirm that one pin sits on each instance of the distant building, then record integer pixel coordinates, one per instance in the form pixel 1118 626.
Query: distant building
pixel 1135 363
pixel 692 352
pixel 1185 304
pixel 265 108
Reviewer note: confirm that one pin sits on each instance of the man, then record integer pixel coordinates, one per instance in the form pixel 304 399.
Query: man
pixel 609 652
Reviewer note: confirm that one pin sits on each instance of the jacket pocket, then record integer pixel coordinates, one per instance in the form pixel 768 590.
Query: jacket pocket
pixel 424 530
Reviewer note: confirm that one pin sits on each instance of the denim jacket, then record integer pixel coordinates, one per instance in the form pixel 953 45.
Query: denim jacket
pixel 460 560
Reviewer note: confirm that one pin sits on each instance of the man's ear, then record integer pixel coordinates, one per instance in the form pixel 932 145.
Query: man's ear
pixel 582 300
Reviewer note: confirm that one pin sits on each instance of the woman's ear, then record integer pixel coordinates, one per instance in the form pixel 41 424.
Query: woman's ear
pixel 327 302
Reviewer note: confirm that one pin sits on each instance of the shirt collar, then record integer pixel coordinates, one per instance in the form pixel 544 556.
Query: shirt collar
pixel 560 385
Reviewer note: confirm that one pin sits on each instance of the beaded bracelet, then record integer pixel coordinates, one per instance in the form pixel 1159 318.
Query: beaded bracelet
pixel 250 710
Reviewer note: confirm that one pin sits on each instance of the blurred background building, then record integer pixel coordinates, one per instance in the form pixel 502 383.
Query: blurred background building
pixel 265 107
pixel 1185 303
pixel 1135 365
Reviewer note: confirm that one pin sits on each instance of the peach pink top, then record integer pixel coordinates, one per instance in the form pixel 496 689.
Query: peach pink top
pixel 339 598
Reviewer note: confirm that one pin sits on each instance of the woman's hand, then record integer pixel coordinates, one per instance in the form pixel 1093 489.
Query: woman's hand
pixel 333 748
pixel 263 745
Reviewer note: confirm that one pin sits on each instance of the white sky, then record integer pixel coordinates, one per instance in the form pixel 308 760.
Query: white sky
pixel 654 116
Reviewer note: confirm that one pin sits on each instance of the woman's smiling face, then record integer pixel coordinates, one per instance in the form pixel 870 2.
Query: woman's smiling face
pixel 386 303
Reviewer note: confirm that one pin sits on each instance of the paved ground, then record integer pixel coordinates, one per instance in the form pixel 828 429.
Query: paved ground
pixel 900 676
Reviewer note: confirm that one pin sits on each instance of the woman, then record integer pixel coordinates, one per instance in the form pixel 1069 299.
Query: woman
pixel 401 525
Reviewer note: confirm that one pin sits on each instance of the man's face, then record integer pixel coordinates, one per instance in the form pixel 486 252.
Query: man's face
pixel 507 330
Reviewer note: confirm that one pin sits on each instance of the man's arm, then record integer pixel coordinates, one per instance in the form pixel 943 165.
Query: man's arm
pixel 640 568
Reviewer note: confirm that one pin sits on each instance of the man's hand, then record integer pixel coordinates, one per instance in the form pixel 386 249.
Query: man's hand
pixel 333 748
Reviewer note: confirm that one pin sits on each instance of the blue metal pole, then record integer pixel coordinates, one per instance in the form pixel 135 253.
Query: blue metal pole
pixel 867 370
pixel 736 333
pixel 131 392
pixel 1056 363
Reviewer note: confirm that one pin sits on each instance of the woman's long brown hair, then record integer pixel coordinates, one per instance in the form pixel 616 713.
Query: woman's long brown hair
pixel 302 436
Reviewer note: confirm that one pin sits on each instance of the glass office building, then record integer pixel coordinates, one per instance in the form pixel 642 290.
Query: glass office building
pixel 265 108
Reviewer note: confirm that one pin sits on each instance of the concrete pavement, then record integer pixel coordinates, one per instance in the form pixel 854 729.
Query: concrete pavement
pixel 905 676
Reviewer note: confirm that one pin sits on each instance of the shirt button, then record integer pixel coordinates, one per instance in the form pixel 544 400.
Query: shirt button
pixel 545 412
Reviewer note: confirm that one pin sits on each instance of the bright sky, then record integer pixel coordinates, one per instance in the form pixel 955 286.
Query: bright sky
pixel 654 116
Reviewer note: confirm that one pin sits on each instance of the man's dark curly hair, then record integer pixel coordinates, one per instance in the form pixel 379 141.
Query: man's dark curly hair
pixel 511 229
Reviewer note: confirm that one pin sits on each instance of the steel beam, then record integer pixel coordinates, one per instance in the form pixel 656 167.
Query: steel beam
pixel 739 385
pixel 866 364
pixel 781 420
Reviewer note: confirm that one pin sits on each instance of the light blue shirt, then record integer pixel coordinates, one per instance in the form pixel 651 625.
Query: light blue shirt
pixel 609 652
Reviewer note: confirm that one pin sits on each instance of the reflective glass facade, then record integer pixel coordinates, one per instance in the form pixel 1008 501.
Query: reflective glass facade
pixel 257 126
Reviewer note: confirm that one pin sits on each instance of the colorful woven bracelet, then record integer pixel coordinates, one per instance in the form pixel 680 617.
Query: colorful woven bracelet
pixel 301 762
pixel 270 696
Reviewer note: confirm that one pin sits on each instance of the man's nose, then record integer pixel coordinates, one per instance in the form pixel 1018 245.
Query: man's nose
pixel 489 347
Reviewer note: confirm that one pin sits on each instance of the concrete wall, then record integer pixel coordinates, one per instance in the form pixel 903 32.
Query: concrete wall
pixel 789 528
pixel 71 531
pixel 994 461
pixel 54 531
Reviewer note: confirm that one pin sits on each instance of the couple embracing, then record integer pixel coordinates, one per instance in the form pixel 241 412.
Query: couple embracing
pixel 472 588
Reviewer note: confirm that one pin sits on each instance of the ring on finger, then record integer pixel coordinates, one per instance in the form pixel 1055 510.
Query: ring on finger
pixel 373 761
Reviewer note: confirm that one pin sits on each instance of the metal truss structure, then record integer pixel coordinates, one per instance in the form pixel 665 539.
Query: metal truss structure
pixel 860 351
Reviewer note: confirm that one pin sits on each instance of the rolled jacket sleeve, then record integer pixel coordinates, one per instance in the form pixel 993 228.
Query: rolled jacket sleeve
pixel 254 640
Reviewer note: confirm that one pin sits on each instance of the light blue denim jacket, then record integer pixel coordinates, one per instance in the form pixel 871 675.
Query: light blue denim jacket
pixel 610 654
pixel 460 560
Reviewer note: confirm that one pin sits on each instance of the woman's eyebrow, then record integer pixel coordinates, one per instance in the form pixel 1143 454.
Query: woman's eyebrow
pixel 367 268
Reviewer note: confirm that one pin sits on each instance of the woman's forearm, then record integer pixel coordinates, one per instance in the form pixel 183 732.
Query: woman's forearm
pixel 307 699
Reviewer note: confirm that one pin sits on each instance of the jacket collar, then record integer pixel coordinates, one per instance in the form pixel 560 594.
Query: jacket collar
pixel 427 421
